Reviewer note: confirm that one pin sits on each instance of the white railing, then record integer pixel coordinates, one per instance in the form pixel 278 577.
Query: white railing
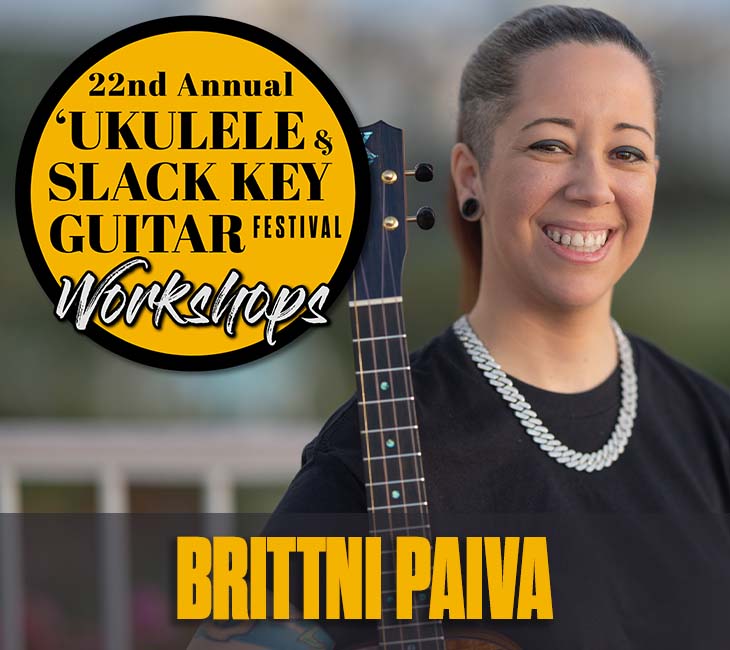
pixel 114 456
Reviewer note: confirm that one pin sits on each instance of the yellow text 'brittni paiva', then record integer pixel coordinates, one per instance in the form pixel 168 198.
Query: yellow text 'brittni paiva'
pixel 226 577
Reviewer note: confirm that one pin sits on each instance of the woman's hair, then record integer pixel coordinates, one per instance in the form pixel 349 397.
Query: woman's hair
pixel 489 87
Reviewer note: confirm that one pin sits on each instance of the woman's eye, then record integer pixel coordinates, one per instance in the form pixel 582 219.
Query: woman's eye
pixel 549 146
pixel 628 154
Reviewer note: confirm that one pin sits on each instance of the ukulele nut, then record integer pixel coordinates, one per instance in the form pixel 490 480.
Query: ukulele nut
pixel 390 223
pixel 388 176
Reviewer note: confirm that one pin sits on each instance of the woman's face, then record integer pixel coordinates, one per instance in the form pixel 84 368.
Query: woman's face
pixel 568 192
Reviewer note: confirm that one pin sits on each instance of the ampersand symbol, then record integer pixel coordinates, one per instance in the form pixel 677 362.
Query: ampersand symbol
pixel 324 142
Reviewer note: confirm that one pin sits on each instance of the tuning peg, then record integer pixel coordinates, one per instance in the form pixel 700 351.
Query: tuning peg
pixel 425 218
pixel 423 172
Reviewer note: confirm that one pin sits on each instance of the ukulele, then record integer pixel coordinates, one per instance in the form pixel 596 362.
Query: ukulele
pixel 397 502
pixel 395 484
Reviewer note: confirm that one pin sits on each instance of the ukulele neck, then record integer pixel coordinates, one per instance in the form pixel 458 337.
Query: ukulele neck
pixel 394 478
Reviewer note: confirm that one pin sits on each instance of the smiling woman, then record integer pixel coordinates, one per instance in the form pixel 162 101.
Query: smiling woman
pixel 536 402
pixel 566 188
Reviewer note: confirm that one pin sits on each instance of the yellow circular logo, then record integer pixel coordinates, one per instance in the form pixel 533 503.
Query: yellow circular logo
pixel 193 193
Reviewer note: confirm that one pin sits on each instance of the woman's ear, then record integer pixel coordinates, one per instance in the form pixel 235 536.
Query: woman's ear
pixel 465 173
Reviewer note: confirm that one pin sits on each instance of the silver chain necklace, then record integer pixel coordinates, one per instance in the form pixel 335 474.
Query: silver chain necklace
pixel 579 461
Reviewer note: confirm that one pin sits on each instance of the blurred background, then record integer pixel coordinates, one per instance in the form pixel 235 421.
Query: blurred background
pixel 82 430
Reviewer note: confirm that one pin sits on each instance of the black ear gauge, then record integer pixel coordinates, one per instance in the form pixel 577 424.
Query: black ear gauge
pixel 469 209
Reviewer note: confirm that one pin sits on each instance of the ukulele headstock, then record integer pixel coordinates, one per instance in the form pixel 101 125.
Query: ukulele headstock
pixel 378 274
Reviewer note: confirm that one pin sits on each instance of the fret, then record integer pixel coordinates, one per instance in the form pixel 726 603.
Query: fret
pixel 407 644
pixel 388 429
pixel 425 638
pixel 369 458
pixel 383 415
pixel 384 447
pixel 398 505
pixel 411 631
pixel 395 481
pixel 398 529
pixel 379 446
pixel 375 301
pixel 376 321
pixel 387 400
pixel 382 525
pixel 380 338
pixel 383 370
pixel 378 351
pixel 375 386
pixel 387 355
pixel 388 627
pixel 397 467
pixel 380 362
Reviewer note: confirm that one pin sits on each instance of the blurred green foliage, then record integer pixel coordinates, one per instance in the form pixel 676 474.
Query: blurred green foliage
pixel 47 497
pixel 675 295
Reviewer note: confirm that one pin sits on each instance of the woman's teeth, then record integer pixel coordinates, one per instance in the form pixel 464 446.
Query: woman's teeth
pixel 585 242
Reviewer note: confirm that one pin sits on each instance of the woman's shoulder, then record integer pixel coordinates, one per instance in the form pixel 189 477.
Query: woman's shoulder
pixel 443 353
pixel 666 374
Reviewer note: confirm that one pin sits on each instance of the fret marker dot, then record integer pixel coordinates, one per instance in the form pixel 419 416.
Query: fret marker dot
pixel 422 597
pixel 390 600
pixel 390 443
pixel 395 494
pixel 384 385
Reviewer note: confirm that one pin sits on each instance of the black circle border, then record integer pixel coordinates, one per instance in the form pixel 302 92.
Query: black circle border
pixel 194 23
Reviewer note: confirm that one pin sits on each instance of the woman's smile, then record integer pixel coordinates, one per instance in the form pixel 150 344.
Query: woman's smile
pixel 582 244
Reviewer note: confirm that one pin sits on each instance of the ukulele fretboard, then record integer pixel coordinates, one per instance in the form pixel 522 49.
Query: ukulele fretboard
pixel 395 485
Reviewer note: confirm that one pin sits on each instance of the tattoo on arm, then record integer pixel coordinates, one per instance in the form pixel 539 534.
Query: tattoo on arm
pixel 281 635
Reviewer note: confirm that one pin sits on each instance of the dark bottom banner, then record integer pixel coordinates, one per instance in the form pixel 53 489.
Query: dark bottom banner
pixel 316 582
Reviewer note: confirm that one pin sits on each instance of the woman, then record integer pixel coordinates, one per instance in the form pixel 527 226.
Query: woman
pixel 554 175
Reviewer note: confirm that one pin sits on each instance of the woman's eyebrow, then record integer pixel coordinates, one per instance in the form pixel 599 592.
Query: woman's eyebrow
pixel 562 121
pixel 625 125
pixel 565 121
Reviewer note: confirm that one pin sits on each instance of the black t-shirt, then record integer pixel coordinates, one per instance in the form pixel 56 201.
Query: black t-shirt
pixel 639 551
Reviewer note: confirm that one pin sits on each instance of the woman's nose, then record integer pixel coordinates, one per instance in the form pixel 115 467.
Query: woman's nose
pixel 589 183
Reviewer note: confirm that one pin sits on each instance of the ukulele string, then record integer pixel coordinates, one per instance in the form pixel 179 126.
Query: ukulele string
pixel 423 523
pixel 375 528
pixel 375 365
pixel 386 254
pixel 397 434
pixel 361 386
pixel 404 363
